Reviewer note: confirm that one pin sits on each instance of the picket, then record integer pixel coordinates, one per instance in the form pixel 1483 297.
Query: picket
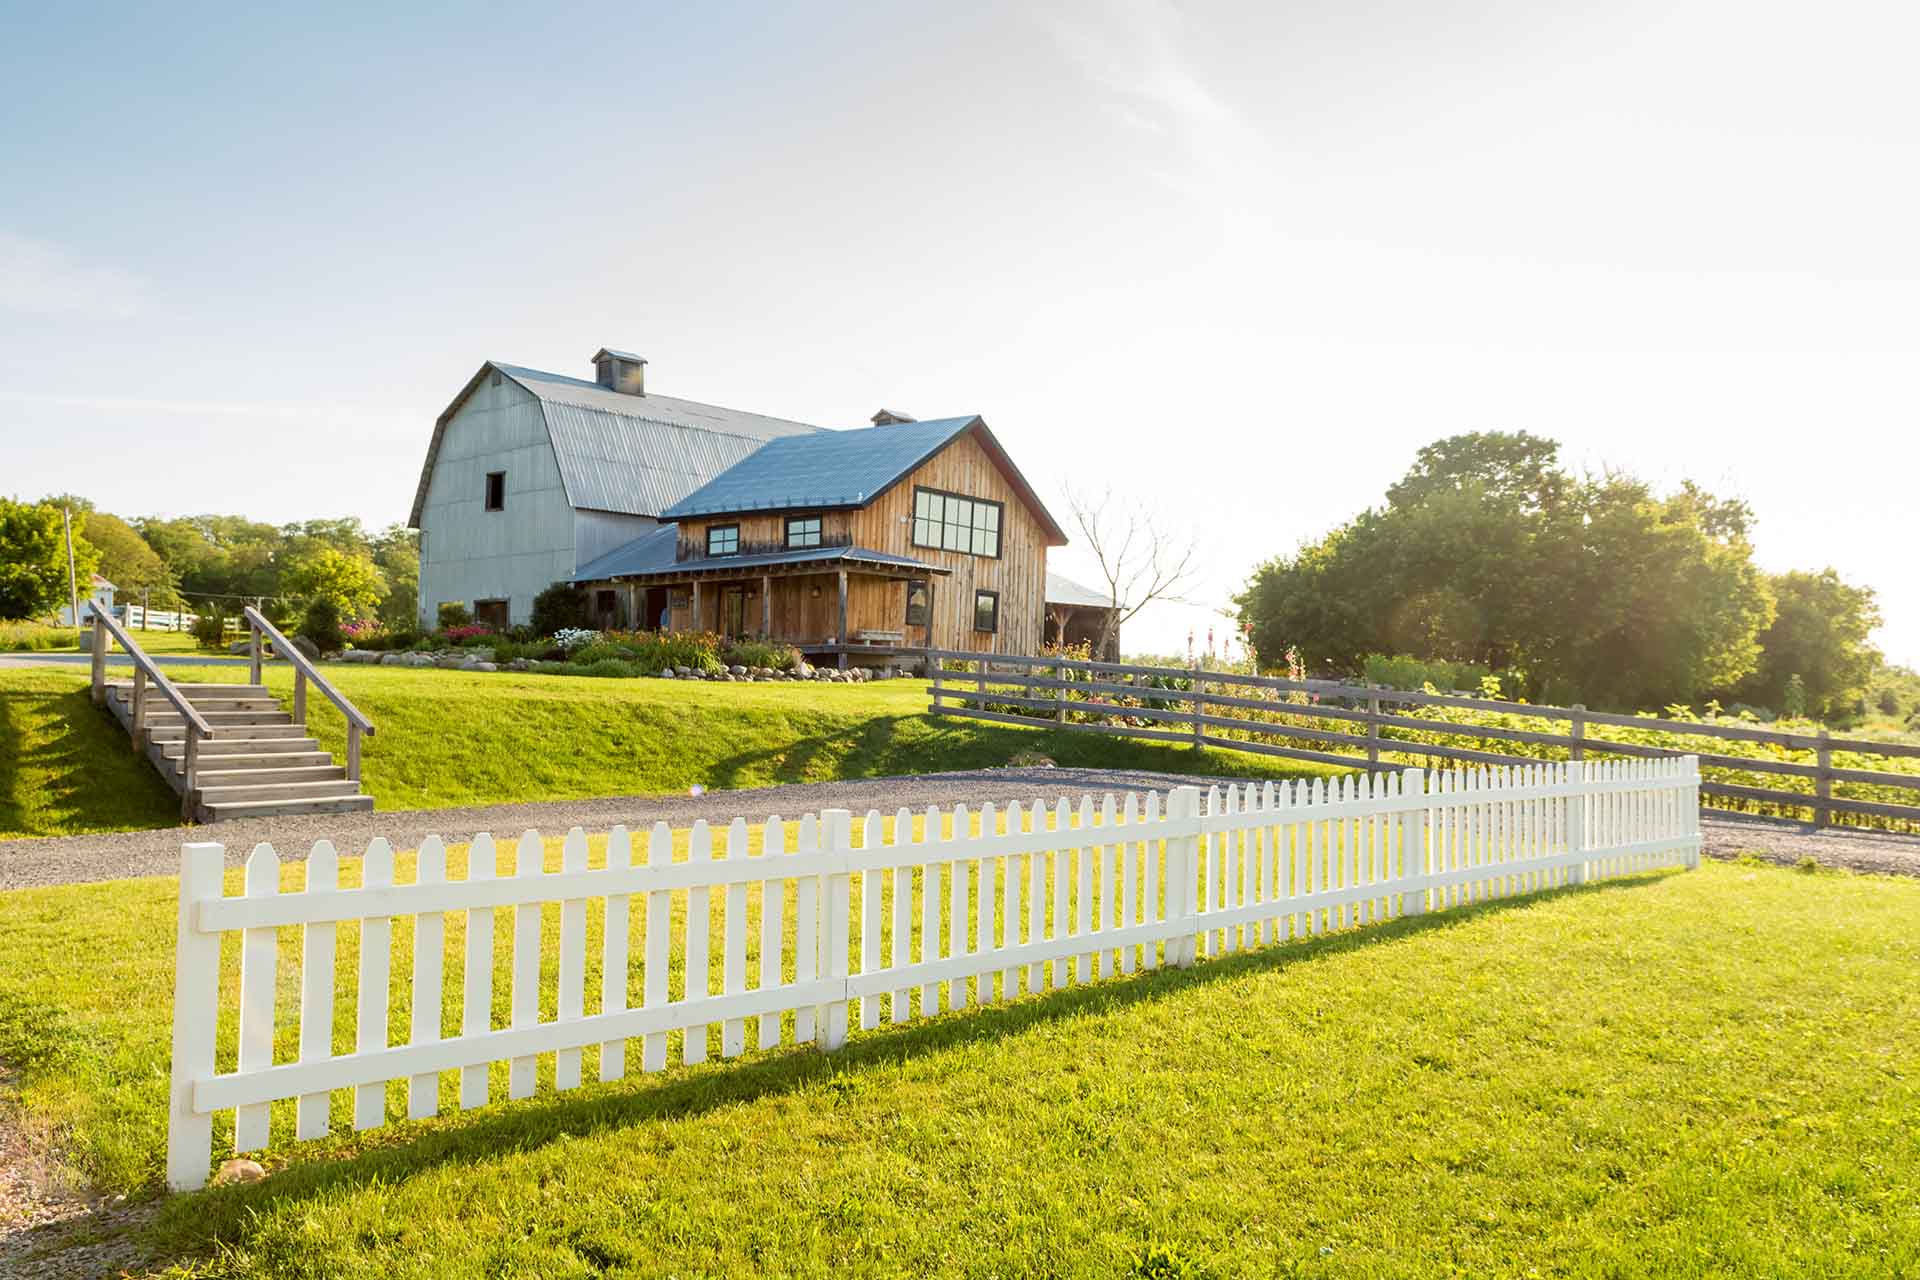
pixel 1152 884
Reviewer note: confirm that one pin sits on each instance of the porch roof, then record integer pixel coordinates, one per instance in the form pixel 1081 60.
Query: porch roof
pixel 653 556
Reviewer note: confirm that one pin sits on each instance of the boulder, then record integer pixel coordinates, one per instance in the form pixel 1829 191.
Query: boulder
pixel 520 664
pixel 451 662
pixel 736 670
pixel 238 1171
pixel 481 653
pixel 392 659
pixel 667 673
pixel 362 655
pixel 307 647
pixel 416 659
pixel 240 646
pixel 474 664
pixel 804 671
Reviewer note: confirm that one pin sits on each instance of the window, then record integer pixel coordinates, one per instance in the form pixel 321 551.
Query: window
pixel 986 611
pixel 496 378
pixel 605 602
pixel 951 522
pixel 803 531
pixel 496 491
pixel 723 540
pixel 919 603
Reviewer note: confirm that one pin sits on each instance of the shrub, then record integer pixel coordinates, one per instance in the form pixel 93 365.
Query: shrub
pixel 567 639
pixel 598 651
pixel 210 629
pixel 653 650
pixel 559 607
pixel 1406 672
pixel 762 653
pixel 454 613
pixel 321 624
pixel 471 633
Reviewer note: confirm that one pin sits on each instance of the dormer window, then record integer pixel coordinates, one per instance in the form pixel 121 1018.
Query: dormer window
pixel 723 540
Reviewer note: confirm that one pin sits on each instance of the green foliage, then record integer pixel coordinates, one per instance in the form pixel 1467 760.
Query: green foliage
pixel 1488 553
pixel 454 613
pixel 655 650
pixel 1793 698
pixel 560 606
pixel 321 624
pixel 35 637
pixel 349 581
pixel 127 561
pixel 1406 672
pixel 33 559
pixel 1820 633
pixel 396 553
pixel 210 628
pixel 761 653
pixel 607 667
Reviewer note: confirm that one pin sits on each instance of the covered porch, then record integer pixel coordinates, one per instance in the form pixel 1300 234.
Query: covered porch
pixel 838 605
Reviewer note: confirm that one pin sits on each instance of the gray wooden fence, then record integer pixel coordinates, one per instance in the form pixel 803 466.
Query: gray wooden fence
pixel 1350 724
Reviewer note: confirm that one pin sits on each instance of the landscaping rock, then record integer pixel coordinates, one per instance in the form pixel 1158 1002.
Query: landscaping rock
pixel 520 664
pixel 364 656
pixel 804 671
pixel 473 664
pixel 240 646
pixel 307 647
pixel 416 660
pixel 449 663
pixel 666 673
pixel 237 1171
pixel 736 670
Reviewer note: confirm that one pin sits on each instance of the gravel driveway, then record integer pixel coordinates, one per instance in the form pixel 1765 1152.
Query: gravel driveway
pixel 75 859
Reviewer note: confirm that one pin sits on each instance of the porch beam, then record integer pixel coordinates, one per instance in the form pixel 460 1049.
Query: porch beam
pixel 845 639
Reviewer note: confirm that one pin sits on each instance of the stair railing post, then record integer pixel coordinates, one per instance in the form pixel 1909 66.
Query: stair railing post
pixel 190 764
pixel 253 647
pixel 353 752
pixel 99 661
pixel 299 696
pixel 139 731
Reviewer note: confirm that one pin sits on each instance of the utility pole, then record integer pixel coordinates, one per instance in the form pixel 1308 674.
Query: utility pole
pixel 73 579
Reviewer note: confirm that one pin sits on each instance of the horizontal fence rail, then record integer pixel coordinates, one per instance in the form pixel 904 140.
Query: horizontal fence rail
pixel 1367 727
pixel 834 920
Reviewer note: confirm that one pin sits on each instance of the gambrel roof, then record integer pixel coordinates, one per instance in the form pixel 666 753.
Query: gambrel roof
pixel 626 453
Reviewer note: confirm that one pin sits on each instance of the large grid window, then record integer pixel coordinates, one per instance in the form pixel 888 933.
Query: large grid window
pixel 951 522
pixel 986 611
pixel 723 540
pixel 803 532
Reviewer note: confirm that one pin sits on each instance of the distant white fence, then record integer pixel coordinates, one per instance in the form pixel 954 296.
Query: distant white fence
pixel 1057 894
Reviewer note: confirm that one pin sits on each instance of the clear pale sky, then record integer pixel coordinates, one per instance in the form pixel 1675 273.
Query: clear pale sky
pixel 1241 259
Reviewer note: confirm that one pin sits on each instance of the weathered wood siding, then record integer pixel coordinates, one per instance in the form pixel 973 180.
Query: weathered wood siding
pixel 1019 574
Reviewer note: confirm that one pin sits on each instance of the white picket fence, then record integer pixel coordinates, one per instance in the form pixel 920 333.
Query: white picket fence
pixel 1040 897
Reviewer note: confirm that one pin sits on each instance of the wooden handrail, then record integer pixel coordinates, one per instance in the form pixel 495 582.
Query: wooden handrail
pixel 284 647
pixel 147 666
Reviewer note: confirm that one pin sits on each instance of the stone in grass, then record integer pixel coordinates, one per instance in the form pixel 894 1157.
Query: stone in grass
pixel 666 673
pixel 237 1171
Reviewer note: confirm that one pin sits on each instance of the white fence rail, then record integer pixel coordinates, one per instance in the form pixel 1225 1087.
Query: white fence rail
pixel 851 923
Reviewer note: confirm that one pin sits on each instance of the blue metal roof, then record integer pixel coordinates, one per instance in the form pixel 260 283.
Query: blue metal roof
pixel 656 551
pixel 828 469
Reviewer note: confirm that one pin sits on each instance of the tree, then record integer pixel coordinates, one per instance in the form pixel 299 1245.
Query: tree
pixel 1140 559
pixel 351 582
pixel 396 553
pixel 1819 632
pixel 126 560
pixel 33 559
pixel 1488 552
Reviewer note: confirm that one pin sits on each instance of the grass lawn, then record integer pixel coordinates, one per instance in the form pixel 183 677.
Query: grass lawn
pixel 447 738
pixel 1701 1073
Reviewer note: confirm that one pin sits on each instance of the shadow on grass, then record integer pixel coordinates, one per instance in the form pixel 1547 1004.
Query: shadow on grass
pixel 82 763
pixel 190 1223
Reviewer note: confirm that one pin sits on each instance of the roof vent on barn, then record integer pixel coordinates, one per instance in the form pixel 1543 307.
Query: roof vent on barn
pixel 620 371
pixel 892 417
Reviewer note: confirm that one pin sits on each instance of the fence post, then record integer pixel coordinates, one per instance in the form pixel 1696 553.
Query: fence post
pixel 982 704
pixel 1060 674
pixel 1199 690
pixel 1413 843
pixel 1373 726
pixel 1576 816
pixel 933 675
pixel 1183 872
pixel 836 904
pixel 1823 782
pixel 1578 732
pixel 1693 813
pixel 196 995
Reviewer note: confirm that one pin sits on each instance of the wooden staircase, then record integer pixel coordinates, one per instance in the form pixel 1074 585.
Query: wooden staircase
pixel 231 750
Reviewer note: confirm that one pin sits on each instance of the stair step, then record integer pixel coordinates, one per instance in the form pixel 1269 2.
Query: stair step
pixel 214 779
pixel 323 789
pixel 230 732
pixel 280 808
pixel 170 717
pixel 257 761
pixel 175 748
pixel 199 693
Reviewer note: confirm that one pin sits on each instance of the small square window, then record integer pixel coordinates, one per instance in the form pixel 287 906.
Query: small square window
pixel 919 604
pixel 803 532
pixel 986 611
pixel 723 540
pixel 496 491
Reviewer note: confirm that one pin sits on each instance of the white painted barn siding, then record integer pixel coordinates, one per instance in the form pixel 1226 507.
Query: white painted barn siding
pixel 468 553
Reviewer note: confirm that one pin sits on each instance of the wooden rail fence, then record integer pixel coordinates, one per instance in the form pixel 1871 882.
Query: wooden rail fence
pixel 1350 724
pixel 880 923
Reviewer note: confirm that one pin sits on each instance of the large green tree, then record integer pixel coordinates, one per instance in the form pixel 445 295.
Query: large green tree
pixel 1488 551
pixel 351 582
pixel 33 559
pixel 1820 633
pixel 128 561
pixel 396 553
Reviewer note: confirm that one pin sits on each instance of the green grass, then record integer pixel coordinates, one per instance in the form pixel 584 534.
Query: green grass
pixel 1700 1073
pixel 447 738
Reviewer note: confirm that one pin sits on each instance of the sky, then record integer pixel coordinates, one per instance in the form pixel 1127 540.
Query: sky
pixel 1235 261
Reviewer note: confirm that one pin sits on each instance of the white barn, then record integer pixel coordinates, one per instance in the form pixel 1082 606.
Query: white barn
pixel 531 475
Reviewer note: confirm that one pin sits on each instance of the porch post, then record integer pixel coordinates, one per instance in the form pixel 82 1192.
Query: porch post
pixel 845 639
pixel 697 619
pixel 766 606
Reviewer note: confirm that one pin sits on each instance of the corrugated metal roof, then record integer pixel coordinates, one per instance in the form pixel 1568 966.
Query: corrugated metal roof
pixel 828 469
pixel 1066 591
pixel 655 552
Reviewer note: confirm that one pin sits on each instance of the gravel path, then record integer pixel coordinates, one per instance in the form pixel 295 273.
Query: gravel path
pixel 77 859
